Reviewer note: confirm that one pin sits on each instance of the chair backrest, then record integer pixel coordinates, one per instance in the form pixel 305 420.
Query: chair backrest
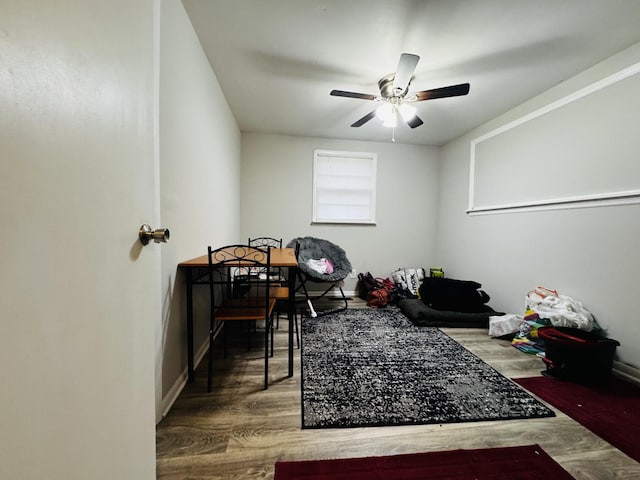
pixel 234 277
pixel 271 242
pixel 265 242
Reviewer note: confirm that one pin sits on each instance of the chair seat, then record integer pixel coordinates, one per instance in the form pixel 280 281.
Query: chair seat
pixel 244 309
pixel 279 293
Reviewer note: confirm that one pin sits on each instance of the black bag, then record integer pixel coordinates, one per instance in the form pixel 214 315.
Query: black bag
pixel 366 283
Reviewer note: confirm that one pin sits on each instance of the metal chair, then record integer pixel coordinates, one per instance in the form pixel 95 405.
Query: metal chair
pixel 232 301
pixel 264 242
pixel 279 289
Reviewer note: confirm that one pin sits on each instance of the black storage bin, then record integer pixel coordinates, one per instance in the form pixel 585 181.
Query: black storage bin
pixel 574 354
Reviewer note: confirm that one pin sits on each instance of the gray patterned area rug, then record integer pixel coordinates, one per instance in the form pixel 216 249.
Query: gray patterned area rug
pixel 368 367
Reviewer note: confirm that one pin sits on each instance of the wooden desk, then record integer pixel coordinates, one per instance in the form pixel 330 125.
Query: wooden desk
pixel 196 273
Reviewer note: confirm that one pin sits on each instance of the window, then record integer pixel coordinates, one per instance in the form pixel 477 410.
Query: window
pixel 344 187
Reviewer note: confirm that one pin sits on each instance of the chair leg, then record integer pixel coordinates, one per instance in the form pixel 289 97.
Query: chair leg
pixel 303 282
pixel 271 335
pixel 266 352
pixel 344 299
pixel 224 340
pixel 210 366
pixel 297 331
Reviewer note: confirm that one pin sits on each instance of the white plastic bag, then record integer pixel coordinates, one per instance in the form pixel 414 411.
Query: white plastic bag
pixel 501 325
pixel 561 310
pixel 409 279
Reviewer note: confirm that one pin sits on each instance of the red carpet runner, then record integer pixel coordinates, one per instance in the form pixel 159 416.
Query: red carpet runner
pixel 511 463
pixel 611 410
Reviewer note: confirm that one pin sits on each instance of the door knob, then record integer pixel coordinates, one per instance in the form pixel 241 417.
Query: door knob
pixel 146 234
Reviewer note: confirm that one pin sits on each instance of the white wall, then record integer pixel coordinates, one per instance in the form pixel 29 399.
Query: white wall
pixel 79 295
pixel 199 178
pixel 588 254
pixel 276 200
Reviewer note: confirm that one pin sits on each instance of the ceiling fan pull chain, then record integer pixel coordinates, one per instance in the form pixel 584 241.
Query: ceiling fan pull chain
pixel 393 134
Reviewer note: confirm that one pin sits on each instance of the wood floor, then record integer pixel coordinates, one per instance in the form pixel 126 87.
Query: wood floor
pixel 240 430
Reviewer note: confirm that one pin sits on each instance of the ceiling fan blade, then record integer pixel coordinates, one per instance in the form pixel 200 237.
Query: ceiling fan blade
pixel 404 72
pixel 342 93
pixel 414 122
pixel 364 119
pixel 450 91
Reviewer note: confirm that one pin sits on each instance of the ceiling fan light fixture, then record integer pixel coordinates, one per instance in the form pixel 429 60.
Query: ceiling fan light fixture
pixel 385 112
pixel 388 114
pixel 407 111
pixel 390 122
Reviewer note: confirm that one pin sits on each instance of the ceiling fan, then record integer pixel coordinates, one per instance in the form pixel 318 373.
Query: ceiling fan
pixel 395 97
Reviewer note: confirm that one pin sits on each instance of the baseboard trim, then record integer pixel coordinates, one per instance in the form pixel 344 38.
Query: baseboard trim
pixel 172 395
pixel 176 389
pixel 626 372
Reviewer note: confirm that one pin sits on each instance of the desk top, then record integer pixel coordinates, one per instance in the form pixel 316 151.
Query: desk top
pixel 280 257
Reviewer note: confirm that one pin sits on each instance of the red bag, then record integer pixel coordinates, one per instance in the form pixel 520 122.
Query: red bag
pixel 378 297
pixel 385 283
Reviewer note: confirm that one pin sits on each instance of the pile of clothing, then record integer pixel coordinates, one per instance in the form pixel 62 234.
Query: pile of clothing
pixel 544 307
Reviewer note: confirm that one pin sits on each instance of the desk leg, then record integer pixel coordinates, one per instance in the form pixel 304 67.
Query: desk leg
pixel 291 313
pixel 189 282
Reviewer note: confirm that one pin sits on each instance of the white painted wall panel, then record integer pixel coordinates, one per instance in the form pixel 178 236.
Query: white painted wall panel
pixel 587 253
pixel 563 152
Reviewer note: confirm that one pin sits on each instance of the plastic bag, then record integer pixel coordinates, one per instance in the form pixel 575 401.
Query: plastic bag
pixel 503 325
pixel 560 310
pixel 408 279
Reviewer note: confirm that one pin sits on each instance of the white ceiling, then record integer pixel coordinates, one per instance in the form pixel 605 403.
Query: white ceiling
pixel 277 60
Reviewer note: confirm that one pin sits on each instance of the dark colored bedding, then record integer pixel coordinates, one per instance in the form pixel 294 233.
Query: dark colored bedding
pixel 425 316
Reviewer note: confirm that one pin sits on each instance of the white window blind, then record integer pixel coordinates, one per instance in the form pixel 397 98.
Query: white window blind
pixel 344 187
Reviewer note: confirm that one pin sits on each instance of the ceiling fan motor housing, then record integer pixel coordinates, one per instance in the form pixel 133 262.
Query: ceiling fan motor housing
pixel 386 87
